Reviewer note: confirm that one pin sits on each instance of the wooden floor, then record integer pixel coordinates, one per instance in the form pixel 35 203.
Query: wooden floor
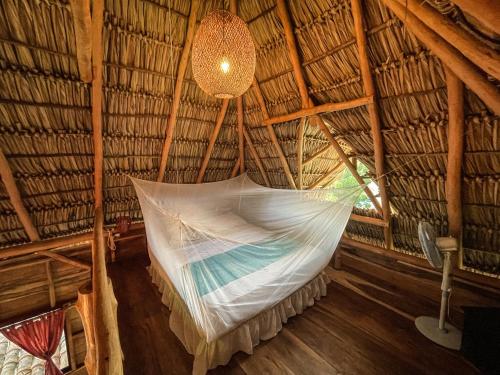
pixel 343 333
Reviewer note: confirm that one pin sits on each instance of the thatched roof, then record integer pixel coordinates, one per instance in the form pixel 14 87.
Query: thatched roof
pixel 46 127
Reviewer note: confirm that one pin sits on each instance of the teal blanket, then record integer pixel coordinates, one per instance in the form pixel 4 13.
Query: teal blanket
pixel 218 270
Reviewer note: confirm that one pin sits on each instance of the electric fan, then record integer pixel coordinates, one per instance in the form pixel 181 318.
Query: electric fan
pixel 435 248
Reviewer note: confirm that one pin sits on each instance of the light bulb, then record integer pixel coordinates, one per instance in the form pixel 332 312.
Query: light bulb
pixel 224 66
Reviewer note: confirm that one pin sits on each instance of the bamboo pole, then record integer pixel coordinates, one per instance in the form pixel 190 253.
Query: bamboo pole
pixel 457 63
pixel 378 144
pixel 97 30
pixel 213 138
pixel 322 108
pixel 272 135
pixel 52 289
pixel 176 101
pixel 471 47
pixel 82 23
pixel 256 157
pixel 349 165
pixel 486 11
pixel 236 168
pixel 300 152
pixel 16 200
pixel 241 137
pixel 456 135
pixel 325 177
pixel 317 154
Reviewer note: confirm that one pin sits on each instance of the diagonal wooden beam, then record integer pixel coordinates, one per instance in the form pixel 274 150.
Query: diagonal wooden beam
pixel 317 154
pixel 451 57
pixel 176 101
pixel 213 138
pixel 82 24
pixel 300 151
pixel 373 114
pixel 313 110
pixel 241 137
pixel 236 168
pixel 349 165
pixel 471 47
pixel 256 157
pixel 272 134
pixel 16 200
pixel 64 259
pixel 326 177
pixel 486 11
pixel 456 135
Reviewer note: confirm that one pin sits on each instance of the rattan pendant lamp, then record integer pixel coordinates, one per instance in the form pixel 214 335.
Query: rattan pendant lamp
pixel 223 56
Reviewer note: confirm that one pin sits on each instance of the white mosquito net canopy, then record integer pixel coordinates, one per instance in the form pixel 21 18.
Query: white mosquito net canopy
pixel 234 248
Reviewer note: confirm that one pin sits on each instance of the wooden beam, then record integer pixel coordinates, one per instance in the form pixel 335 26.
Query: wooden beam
pixel 293 53
pixel 241 137
pixel 272 135
pixel 82 24
pixel 70 342
pixel 97 57
pixel 456 136
pixel 450 56
pixel 349 165
pixel 213 138
pixel 256 157
pixel 471 47
pixel 85 308
pixel 369 220
pixel 486 12
pixel 65 259
pixel 317 154
pixel 176 101
pixel 325 177
pixel 50 281
pixel 300 152
pixel 373 114
pixel 16 200
pixel 236 168
pixel 322 108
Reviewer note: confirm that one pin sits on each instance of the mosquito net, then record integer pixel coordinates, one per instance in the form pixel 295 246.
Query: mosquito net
pixel 234 248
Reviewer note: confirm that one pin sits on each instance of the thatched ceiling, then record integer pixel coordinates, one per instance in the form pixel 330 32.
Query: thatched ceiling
pixel 46 128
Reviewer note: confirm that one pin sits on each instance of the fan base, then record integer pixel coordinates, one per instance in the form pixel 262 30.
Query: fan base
pixel 428 326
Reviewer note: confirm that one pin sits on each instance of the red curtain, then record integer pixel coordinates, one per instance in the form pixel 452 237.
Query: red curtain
pixel 39 336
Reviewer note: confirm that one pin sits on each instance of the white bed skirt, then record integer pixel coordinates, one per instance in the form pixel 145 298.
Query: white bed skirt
pixel 264 326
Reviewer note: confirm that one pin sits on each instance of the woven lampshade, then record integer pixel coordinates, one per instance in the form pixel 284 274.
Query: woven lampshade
pixel 223 56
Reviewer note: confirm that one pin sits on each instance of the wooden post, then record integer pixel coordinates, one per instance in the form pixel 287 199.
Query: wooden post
pixel 52 289
pixel 471 47
pixel 378 144
pixel 70 342
pixel 82 23
pixel 176 101
pixel 456 135
pixel 15 199
pixel 213 138
pixel 241 139
pixel 457 63
pixel 272 135
pixel 256 157
pixel 300 151
pixel 349 165
pixel 84 305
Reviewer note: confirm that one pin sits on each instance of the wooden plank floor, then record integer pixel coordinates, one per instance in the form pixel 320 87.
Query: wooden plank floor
pixel 343 333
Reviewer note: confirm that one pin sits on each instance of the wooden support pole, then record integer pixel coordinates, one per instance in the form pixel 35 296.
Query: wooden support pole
pixel 65 259
pixel 85 307
pixel 97 57
pixel 236 168
pixel 325 177
pixel 50 281
pixel 349 165
pixel 70 342
pixel 300 152
pixel 176 101
pixel 369 220
pixel 450 56
pixel 241 137
pixel 471 47
pixel 256 157
pixel 272 135
pixel 456 136
pixel 486 11
pixel 322 108
pixel 82 24
pixel 213 138
pixel 369 87
pixel 15 199
pixel 317 154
